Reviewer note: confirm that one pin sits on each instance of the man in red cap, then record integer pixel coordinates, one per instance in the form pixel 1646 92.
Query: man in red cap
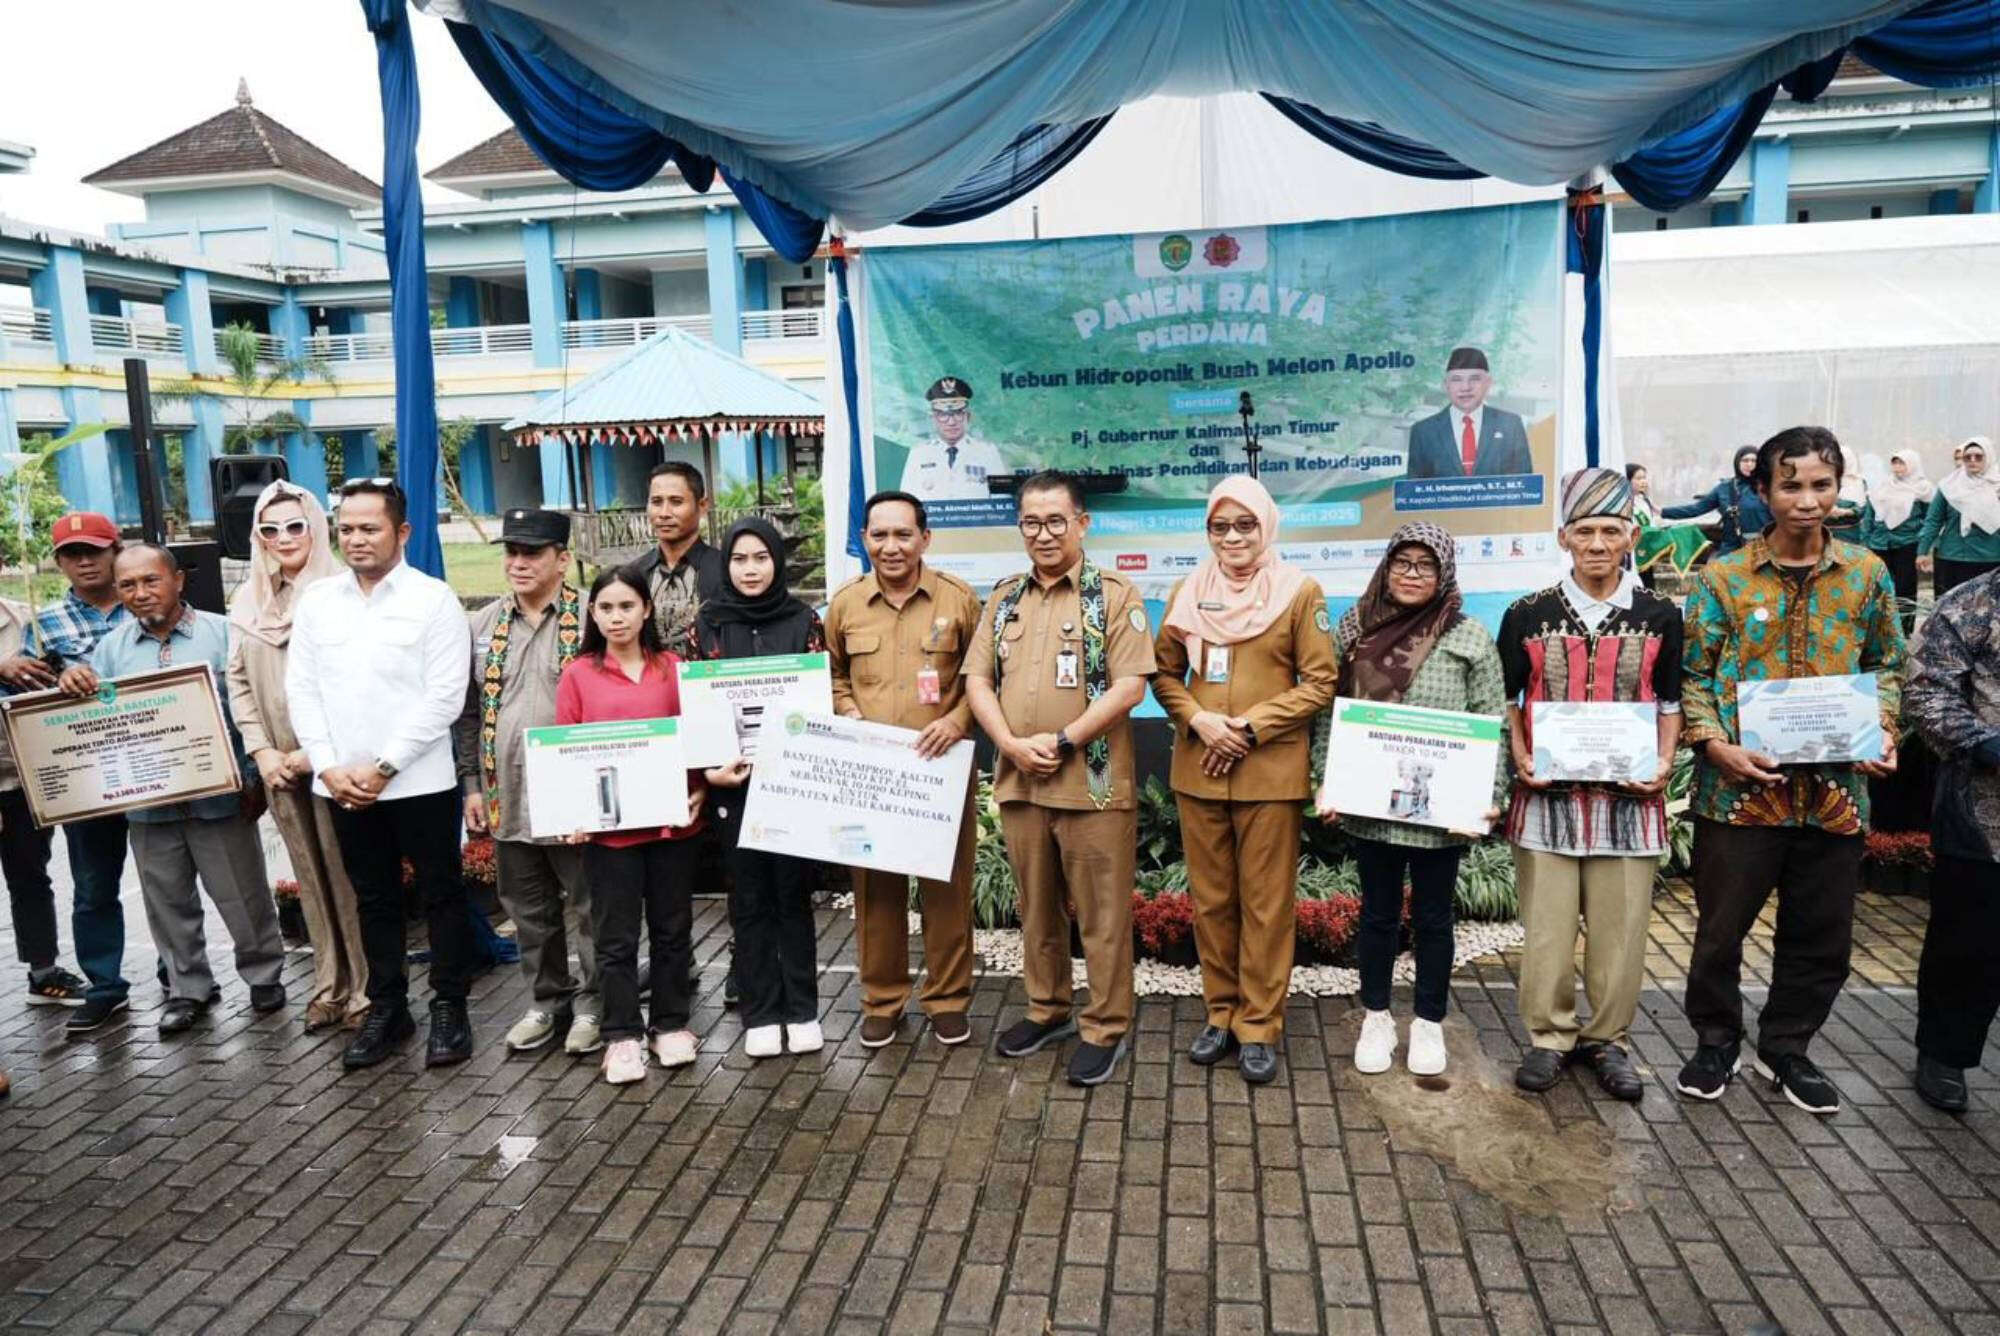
pixel 63 636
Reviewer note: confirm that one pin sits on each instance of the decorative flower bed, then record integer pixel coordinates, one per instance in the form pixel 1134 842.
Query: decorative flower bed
pixel 1897 862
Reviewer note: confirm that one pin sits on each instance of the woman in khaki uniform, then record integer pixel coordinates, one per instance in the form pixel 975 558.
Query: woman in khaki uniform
pixel 293 550
pixel 1246 661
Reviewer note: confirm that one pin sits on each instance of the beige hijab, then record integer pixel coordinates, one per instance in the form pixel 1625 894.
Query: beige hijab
pixel 1216 607
pixel 263 607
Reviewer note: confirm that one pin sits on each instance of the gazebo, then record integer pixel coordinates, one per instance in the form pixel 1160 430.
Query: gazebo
pixel 672 397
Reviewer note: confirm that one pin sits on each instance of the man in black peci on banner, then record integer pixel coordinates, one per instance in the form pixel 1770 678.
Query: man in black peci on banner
pixel 1466 438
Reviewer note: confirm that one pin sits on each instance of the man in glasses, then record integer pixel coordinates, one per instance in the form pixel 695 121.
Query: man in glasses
pixel 1468 436
pixel 520 646
pixel 1060 658
pixel 63 636
pixel 377 676
pixel 951 464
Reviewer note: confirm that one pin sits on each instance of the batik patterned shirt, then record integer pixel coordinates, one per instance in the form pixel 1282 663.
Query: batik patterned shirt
pixel 1747 621
pixel 1954 701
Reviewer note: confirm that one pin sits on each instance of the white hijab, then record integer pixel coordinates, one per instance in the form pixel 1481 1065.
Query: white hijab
pixel 1975 498
pixel 1894 498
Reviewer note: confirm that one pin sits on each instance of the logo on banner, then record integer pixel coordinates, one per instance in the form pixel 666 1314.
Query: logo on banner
pixel 1175 251
pixel 1222 250
pixel 1131 561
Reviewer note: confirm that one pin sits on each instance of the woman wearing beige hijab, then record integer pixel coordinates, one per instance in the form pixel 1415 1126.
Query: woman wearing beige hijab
pixel 293 549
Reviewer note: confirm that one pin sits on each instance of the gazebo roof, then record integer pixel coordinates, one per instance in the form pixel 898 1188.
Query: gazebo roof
pixel 673 384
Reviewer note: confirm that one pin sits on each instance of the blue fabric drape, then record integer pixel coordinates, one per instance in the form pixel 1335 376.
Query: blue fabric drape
pixel 1036 154
pixel 1944 44
pixel 409 286
pixel 1683 168
pixel 1372 144
pixel 850 389
pixel 1584 254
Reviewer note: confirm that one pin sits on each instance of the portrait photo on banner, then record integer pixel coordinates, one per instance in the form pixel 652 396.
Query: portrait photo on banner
pixel 1397 368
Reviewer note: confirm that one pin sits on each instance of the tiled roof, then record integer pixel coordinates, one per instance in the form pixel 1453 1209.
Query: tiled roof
pixel 671 377
pixel 240 141
pixel 505 154
pixel 1854 67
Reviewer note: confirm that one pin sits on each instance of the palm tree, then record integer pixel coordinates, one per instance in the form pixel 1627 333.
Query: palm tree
pixel 252 376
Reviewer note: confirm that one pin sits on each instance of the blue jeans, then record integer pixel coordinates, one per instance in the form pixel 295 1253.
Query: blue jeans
pixel 97 920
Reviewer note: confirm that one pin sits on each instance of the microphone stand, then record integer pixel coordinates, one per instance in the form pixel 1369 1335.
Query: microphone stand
pixel 1250 446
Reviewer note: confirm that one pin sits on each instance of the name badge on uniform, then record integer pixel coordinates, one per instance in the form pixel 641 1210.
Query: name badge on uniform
pixel 1066 668
pixel 1215 665
pixel 927 685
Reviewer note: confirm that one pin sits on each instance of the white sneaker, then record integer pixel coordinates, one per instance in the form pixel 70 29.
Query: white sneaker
pixel 1426 1048
pixel 532 1030
pixel 1376 1048
pixel 807 1038
pixel 584 1035
pixel 624 1061
pixel 676 1048
pixel 764 1041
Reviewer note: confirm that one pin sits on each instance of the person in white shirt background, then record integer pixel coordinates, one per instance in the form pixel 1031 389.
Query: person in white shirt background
pixel 951 464
pixel 380 660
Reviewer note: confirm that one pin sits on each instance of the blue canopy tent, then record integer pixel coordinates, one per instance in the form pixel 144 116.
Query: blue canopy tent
pixel 937 113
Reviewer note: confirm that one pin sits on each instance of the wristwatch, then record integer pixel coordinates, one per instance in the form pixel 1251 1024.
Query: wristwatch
pixel 1064 746
pixel 384 769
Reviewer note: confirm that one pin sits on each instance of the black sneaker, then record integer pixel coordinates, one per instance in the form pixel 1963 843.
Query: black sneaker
pixel 1708 1072
pixel 179 1015
pixel 730 994
pixel 1093 1064
pixel 1940 1086
pixel 267 997
pixel 378 1036
pixel 1211 1046
pixel 94 1012
pixel 56 987
pixel 1025 1036
pixel 1803 1083
pixel 1540 1069
pixel 451 1034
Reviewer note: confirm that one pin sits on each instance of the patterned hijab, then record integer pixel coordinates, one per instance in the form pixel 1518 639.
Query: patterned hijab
pixel 1389 641
pixel 263 607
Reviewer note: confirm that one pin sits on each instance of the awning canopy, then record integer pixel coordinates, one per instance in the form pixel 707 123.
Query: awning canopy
pixel 672 386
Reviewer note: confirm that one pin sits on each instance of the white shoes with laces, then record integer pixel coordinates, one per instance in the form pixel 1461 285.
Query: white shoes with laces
pixel 1377 1046
pixel 624 1061
pixel 1427 1056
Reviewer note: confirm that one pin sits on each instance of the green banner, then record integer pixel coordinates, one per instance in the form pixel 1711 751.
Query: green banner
pixel 730 670
pixel 1398 368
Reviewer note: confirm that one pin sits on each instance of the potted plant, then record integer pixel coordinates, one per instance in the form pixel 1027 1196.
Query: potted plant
pixel 291 917
pixel 1897 862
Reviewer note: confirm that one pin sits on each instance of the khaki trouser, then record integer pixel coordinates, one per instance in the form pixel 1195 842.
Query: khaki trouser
pixel 882 933
pixel 326 897
pixel 1243 864
pixel 1615 898
pixel 544 891
pixel 1084 858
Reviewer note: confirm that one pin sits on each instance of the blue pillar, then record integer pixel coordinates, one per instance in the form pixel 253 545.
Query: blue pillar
pixel 58 287
pixel 461 307
pixel 1727 213
pixel 190 307
pixel 1770 180
pixel 589 295
pixel 725 280
pixel 83 470
pixel 546 307
pixel 305 455
pixel 10 430
pixel 289 324
pixel 756 286
pixel 604 474
pixel 361 455
pixel 475 471
pixel 1986 199
pixel 556 494
pixel 124 469
pixel 1944 201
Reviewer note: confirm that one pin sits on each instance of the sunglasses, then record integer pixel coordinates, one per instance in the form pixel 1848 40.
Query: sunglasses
pixel 290 529
pixel 353 485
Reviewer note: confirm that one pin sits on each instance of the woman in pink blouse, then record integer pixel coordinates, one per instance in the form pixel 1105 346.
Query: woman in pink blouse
pixel 624 672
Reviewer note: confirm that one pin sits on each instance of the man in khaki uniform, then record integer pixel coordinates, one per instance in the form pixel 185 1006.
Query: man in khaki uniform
pixel 1054 689
pixel 895 638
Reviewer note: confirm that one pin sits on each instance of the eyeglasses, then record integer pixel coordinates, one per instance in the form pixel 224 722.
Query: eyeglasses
pixel 1055 526
pixel 949 412
pixel 1243 524
pixel 290 529
pixel 1421 569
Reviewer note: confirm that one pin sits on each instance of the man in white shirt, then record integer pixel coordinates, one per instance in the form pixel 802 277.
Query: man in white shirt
pixel 951 464
pixel 379 662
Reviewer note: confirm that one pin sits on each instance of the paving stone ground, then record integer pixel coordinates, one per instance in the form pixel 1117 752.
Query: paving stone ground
pixel 236 1180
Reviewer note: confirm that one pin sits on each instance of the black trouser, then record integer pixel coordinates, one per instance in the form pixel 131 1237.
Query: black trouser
pixel 1433 875
pixel 373 844
pixel 24 861
pixel 1902 564
pixel 777 964
pixel 1816 876
pixel 1958 989
pixel 656 880
pixel 1948 575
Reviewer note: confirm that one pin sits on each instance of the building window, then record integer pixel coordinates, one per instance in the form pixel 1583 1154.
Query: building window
pixel 1874 211
pixel 1804 216
pixel 1659 224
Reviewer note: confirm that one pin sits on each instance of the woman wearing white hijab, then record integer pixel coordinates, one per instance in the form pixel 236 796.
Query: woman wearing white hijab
pixel 1961 536
pixel 1893 519
pixel 293 550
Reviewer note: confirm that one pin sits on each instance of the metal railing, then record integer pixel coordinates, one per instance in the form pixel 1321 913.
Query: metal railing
pixel 270 348
pixel 803 322
pixel 630 331
pixel 116 334
pixel 367 347
pixel 479 340
pixel 26 324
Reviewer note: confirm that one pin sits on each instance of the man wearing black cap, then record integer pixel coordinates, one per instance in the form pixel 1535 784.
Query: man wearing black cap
pixel 520 645
pixel 951 464
pixel 1466 437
